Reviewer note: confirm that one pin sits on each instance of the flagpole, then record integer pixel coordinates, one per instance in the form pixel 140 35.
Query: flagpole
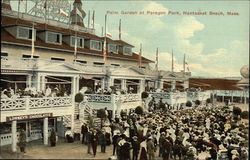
pixel 93 19
pixel 104 44
pixel 184 63
pixel 76 28
pixel 26 6
pixel 120 36
pixel 33 41
pixel 156 65
pixel 140 55
pixel 89 19
pixel 18 9
pixel 172 69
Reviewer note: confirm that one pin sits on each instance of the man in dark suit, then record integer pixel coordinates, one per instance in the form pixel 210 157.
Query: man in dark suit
pixel 94 142
pixel 84 130
pixel 136 147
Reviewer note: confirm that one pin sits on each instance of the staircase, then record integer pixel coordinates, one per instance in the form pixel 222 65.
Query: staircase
pixel 87 110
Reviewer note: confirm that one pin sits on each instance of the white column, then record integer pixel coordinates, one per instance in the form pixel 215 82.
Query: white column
pixel 103 83
pixel 185 85
pixel 42 83
pixel 77 84
pixel 45 131
pixel 14 136
pixel 173 84
pixel 110 82
pixel 124 84
pixel 73 86
pixel 28 80
pixel 38 82
pixel 245 97
pixel 161 84
pixel 142 86
pixel 114 106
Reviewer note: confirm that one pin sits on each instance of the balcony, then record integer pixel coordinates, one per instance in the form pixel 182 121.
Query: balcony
pixel 200 95
pixel 25 106
pixel 171 98
pixel 124 101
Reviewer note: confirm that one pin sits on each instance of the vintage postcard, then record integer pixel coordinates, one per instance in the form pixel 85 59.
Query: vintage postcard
pixel 141 80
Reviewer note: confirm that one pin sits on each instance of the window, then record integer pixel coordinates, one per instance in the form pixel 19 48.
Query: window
pixel 112 48
pixel 81 61
pixel 115 65
pixel 80 42
pixel 29 56
pixel 127 50
pixel 95 45
pixel 57 59
pixel 4 54
pixel 98 63
pixel 24 33
pixel 52 37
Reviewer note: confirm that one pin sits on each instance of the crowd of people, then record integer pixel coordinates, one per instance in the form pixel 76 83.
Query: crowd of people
pixel 170 134
pixel 50 91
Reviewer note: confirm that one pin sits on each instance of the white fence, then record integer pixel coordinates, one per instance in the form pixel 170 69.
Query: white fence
pixel 34 103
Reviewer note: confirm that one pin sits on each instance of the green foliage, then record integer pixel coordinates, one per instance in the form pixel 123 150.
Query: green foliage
pixel 144 95
pixel 208 100
pixel 189 104
pixel 197 102
pixel 78 97
pixel 139 110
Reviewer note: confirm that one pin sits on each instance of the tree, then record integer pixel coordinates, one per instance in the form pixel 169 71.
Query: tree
pixel 78 97
pixel 144 95
pixel 139 110
pixel 189 104
pixel 197 102
pixel 245 115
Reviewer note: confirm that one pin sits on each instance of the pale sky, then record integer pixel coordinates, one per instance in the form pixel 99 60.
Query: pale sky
pixel 215 45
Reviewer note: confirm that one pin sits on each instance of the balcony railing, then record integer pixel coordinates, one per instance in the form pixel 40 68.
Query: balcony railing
pixel 97 98
pixel 34 103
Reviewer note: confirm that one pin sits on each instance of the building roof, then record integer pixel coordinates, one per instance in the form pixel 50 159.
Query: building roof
pixel 214 83
pixel 123 43
pixel 40 27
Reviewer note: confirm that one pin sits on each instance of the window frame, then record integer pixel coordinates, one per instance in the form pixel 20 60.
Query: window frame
pixel 78 40
pixel 111 44
pixel 129 54
pixel 29 37
pixel 91 41
pixel 55 33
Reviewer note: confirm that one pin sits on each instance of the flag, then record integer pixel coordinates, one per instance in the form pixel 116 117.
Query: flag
pixel 62 12
pixel 108 35
pixel 93 20
pixel 120 36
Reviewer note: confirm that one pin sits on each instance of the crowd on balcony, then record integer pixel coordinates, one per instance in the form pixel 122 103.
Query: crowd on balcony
pixel 55 91
pixel 183 134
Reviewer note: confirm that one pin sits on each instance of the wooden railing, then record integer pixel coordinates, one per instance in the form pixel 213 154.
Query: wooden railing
pixel 34 103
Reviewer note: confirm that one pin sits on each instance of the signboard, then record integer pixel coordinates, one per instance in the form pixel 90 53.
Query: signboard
pixel 31 116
